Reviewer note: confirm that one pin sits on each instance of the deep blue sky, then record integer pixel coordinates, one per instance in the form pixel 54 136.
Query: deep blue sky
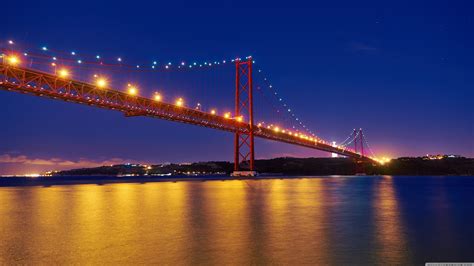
pixel 403 71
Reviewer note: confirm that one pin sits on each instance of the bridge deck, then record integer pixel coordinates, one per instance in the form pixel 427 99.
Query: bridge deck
pixel 24 80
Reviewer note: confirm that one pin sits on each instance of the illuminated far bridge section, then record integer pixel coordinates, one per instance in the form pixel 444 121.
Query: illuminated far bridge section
pixel 28 81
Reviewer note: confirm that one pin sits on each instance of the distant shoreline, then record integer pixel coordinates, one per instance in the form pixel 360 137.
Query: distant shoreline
pixel 287 166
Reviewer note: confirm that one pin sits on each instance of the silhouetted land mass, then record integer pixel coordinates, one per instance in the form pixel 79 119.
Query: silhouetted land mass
pixel 295 166
pixel 203 171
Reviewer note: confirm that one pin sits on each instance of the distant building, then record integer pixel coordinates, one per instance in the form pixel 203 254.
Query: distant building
pixel 440 156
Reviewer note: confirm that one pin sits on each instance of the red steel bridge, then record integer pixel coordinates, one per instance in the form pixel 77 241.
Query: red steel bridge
pixel 16 77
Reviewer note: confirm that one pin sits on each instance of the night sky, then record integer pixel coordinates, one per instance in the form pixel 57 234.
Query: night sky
pixel 401 71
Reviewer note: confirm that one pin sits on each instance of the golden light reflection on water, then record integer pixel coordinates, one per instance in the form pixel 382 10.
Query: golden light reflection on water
pixel 391 240
pixel 288 221
pixel 299 231
pixel 223 226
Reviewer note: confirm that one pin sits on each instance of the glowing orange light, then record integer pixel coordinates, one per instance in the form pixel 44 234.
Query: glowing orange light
pixel 227 115
pixel 101 82
pixel 157 97
pixel 239 118
pixel 384 160
pixel 276 129
pixel 63 73
pixel 13 60
pixel 213 112
pixel 179 102
pixel 132 90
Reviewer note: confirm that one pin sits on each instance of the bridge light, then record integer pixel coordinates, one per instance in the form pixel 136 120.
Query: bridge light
pixel 179 102
pixel 13 60
pixel 239 118
pixel 276 129
pixel 101 82
pixel 227 115
pixel 213 112
pixel 63 73
pixel 157 97
pixel 384 160
pixel 132 90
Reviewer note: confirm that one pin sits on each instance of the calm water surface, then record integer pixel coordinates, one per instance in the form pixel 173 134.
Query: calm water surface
pixel 335 220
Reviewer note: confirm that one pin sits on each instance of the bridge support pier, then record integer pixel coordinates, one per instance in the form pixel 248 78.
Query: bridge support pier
pixel 244 135
pixel 244 173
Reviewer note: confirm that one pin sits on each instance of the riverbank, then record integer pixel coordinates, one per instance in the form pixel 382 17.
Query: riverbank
pixel 291 167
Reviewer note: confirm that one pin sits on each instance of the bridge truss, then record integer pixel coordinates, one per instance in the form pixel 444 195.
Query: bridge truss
pixel 29 81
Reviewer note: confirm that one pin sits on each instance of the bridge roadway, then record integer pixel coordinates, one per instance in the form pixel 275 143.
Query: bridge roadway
pixel 29 81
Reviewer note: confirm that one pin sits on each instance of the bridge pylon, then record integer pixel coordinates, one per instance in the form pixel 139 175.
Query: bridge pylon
pixel 244 151
pixel 359 146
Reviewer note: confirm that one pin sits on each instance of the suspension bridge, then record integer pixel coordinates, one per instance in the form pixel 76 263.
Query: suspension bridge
pixel 28 73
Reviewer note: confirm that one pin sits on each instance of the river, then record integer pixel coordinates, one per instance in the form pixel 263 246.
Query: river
pixel 284 221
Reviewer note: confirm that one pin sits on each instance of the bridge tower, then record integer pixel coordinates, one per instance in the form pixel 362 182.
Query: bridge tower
pixel 359 146
pixel 244 152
